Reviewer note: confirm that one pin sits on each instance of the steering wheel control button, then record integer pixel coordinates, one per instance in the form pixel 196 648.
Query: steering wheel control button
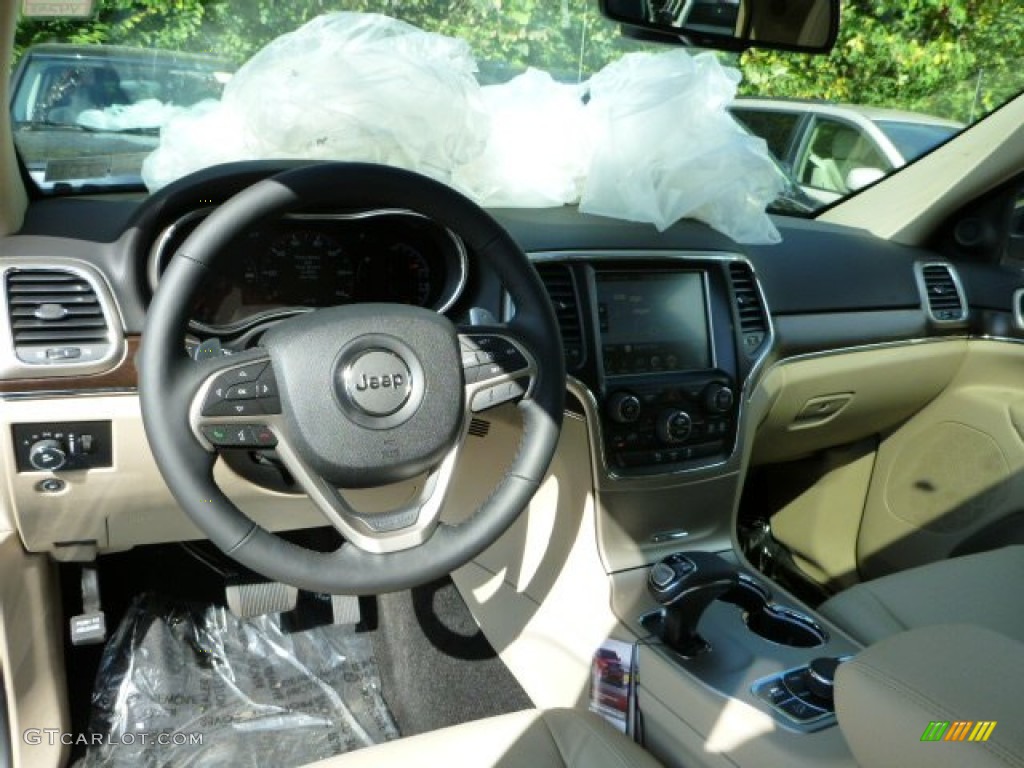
pixel 235 392
pixel 245 374
pixel 378 382
pixel 235 408
pixel 242 392
pixel 496 395
pixel 494 357
pixel 228 435
pixel 240 436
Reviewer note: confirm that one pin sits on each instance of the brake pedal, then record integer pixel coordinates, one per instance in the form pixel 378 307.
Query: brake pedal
pixel 247 601
pixel 90 626
pixel 345 609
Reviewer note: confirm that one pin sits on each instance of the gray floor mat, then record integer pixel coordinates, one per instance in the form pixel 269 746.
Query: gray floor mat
pixel 247 692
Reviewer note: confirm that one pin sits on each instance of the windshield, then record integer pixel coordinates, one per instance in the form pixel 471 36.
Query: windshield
pixel 118 100
pixel 914 139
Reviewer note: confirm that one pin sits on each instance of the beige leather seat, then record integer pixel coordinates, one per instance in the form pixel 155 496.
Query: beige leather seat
pixel 534 738
pixel 948 680
pixel 982 589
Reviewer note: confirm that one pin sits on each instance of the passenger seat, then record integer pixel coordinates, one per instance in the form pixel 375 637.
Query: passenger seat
pixel 981 589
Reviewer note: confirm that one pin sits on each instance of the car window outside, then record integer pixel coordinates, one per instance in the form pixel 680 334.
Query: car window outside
pixel 914 139
pixel 956 60
pixel 776 128
pixel 835 149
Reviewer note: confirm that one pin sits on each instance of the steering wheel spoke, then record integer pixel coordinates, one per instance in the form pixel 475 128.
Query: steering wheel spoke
pixel 237 404
pixel 497 367
pixel 378 532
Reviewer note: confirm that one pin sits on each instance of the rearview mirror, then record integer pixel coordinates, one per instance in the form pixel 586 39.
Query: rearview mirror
pixel 809 26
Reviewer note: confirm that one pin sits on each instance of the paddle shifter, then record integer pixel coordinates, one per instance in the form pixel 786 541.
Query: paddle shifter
pixel 685 584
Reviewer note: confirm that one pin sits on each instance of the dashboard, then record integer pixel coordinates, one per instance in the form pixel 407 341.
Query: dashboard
pixel 667 336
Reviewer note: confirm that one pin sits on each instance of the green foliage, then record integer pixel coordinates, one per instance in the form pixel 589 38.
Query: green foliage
pixel 956 58
pixel 953 58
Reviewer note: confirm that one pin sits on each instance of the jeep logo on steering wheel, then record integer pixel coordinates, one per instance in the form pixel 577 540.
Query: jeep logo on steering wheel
pixel 378 381
pixel 384 381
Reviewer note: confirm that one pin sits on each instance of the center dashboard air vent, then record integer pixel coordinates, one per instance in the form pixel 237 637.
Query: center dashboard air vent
pixel 558 281
pixel 942 292
pixel 56 317
pixel 749 309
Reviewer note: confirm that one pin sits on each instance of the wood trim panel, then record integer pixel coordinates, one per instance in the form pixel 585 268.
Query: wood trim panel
pixel 121 376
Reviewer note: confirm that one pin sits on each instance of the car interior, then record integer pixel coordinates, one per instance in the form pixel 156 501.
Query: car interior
pixel 787 478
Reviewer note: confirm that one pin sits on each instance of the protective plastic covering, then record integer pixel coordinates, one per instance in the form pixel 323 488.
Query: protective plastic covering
pixel 253 694
pixel 538 148
pixel 654 143
pixel 668 148
pixel 345 86
pixel 148 113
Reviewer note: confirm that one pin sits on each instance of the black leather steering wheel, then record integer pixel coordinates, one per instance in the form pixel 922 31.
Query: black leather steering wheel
pixel 353 396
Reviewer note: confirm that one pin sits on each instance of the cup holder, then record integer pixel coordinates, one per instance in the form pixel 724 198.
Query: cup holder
pixel 784 626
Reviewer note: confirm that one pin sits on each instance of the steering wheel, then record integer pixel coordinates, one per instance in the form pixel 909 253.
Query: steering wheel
pixel 353 396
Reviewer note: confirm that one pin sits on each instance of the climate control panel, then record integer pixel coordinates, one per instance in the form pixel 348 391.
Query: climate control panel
pixel 671 422
pixel 64 446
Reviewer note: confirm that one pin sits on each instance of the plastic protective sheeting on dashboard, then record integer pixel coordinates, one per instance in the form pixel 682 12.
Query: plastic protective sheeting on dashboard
pixel 648 138
pixel 187 685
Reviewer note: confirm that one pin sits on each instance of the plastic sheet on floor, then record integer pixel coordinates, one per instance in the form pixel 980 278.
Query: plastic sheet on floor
pixel 186 685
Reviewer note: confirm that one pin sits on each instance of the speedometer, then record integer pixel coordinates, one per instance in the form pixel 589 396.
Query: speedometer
pixel 302 268
pixel 399 274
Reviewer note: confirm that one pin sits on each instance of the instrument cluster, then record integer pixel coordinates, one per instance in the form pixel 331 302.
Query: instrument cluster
pixel 309 261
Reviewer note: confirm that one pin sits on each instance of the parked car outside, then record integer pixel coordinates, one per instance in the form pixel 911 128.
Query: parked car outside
pixel 82 112
pixel 835 149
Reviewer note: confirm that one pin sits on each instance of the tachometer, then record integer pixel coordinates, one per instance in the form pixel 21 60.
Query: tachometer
pixel 399 274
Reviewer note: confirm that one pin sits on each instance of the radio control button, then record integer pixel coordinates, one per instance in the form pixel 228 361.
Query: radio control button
pixel 674 426
pixel 718 398
pixel 624 407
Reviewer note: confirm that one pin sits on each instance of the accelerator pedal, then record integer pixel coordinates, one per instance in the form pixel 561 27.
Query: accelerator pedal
pixel 248 600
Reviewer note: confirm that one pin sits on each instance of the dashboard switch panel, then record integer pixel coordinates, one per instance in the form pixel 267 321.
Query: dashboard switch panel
pixel 62 446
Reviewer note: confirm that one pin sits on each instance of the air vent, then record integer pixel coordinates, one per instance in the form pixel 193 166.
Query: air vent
pixel 943 295
pixel 56 317
pixel 479 427
pixel 749 309
pixel 559 283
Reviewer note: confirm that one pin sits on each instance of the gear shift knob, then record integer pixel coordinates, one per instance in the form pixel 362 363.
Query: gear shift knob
pixel 685 584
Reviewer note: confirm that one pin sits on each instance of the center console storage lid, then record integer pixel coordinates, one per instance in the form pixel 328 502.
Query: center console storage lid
pixel 946 683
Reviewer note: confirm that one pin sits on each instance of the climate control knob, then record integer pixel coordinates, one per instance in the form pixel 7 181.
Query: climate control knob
pixel 47 455
pixel 674 426
pixel 718 398
pixel 624 407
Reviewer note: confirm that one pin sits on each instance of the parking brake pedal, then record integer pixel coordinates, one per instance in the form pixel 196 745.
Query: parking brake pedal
pixel 90 626
pixel 249 600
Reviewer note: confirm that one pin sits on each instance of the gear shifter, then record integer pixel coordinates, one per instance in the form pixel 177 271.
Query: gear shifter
pixel 685 584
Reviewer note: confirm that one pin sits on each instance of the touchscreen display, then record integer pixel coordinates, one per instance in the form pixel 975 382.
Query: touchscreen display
pixel 653 322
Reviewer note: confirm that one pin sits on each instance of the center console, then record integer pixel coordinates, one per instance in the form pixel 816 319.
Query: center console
pixel 665 345
pixel 668 402
pixel 686 584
